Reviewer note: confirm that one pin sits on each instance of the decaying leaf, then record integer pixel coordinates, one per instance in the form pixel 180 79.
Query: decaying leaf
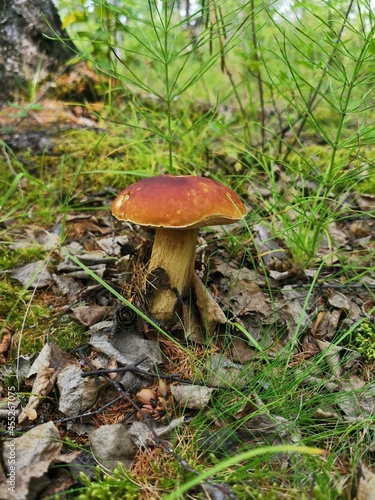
pixel 37 237
pixel 5 345
pixel 231 272
pixel 143 437
pixel 326 324
pixel 191 324
pixel 241 293
pixel 366 484
pixel 366 202
pixel 259 422
pixel 293 313
pixel 112 444
pixel 275 258
pixel 326 415
pixel 77 394
pixel 66 288
pixel 241 351
pixel 42 375
pixel 35 451
pixel 112 246
pixel 191 396
pixel 33 275
pixel 43 384
pixel 332 356
pixel 210 311
pixel 222 372
pixel 90 315
pixel 357 400
pixel 127 347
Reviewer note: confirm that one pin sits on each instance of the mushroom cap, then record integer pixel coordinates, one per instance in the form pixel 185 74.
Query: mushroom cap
pixel 179 202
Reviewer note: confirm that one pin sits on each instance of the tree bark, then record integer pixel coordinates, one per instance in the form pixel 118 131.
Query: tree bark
pixel 25 46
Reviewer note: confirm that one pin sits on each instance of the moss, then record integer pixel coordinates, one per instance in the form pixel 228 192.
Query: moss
pixel 367 183
pixel 95 160
pixel 33 323
pixel 67 334
pixel 9 259
pixel 28 321
pixel 82 161
pixel 119 485
pixel 364 340
pixel 11 297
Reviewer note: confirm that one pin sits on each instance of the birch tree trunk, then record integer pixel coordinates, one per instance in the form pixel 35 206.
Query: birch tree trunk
pixel 25 46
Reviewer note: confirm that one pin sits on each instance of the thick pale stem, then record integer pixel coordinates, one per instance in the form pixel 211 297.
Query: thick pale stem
pixel 174 253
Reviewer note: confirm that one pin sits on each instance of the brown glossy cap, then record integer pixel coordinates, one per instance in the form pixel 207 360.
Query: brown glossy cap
pixel 178 201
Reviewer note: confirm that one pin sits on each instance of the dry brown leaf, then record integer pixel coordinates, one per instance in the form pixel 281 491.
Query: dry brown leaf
pixel 33 275
pixel 5 345
pixel 37 449
pixel 210 311
pixel 366 485
pixel 191 396
pixel 77 394
pixel 90 315
pixel 241 351
pixel 326 324
pixel 45 369
pixel 332 357
pixel 366 202
pixel 44 381
pixel 112 444
pixel 191 324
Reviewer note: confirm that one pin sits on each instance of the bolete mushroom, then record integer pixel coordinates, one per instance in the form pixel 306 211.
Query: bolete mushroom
pixel 177 206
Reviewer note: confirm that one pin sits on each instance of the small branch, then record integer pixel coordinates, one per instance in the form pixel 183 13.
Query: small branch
pixel 102 372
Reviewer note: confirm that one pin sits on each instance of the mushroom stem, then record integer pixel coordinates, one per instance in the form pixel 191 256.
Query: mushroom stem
pixel 173 251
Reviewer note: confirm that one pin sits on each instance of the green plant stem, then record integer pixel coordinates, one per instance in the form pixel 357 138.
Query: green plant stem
pixel 167 82
pixel 330 174
pixel 258 74
pixel 316 92
pixel 247 455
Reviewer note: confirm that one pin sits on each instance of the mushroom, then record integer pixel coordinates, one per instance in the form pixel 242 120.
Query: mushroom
pixel 177 206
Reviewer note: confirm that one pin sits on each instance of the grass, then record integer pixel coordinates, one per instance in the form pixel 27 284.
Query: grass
pixel 281 108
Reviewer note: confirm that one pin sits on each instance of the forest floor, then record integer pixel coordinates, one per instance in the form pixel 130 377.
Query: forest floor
pixel 88 382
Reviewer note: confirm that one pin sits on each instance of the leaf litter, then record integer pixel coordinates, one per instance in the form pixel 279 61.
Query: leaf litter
pixel 96 387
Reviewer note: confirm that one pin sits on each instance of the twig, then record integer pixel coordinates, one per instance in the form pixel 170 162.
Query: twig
pixel 132 368
pixel 157 439
pixel 66 419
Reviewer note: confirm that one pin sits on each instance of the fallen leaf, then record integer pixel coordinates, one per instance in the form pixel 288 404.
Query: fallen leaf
pixel 366 202
pixel 191 396
pixel 112 246
pixel 127 347
pixel 357 400
pixel 366 485
pixel 77 394
pixel 338 300
pixel 90 315
pixel 35 450
pixel 241 351
pixel 43 384
pixel 222 372
pixel 33 275
pixel 5 345
pixel 210 311
pixel 37 237
pixel 66 288
pixel 332 356
pixel 143 437
pixel 112 444
pixel 42 375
